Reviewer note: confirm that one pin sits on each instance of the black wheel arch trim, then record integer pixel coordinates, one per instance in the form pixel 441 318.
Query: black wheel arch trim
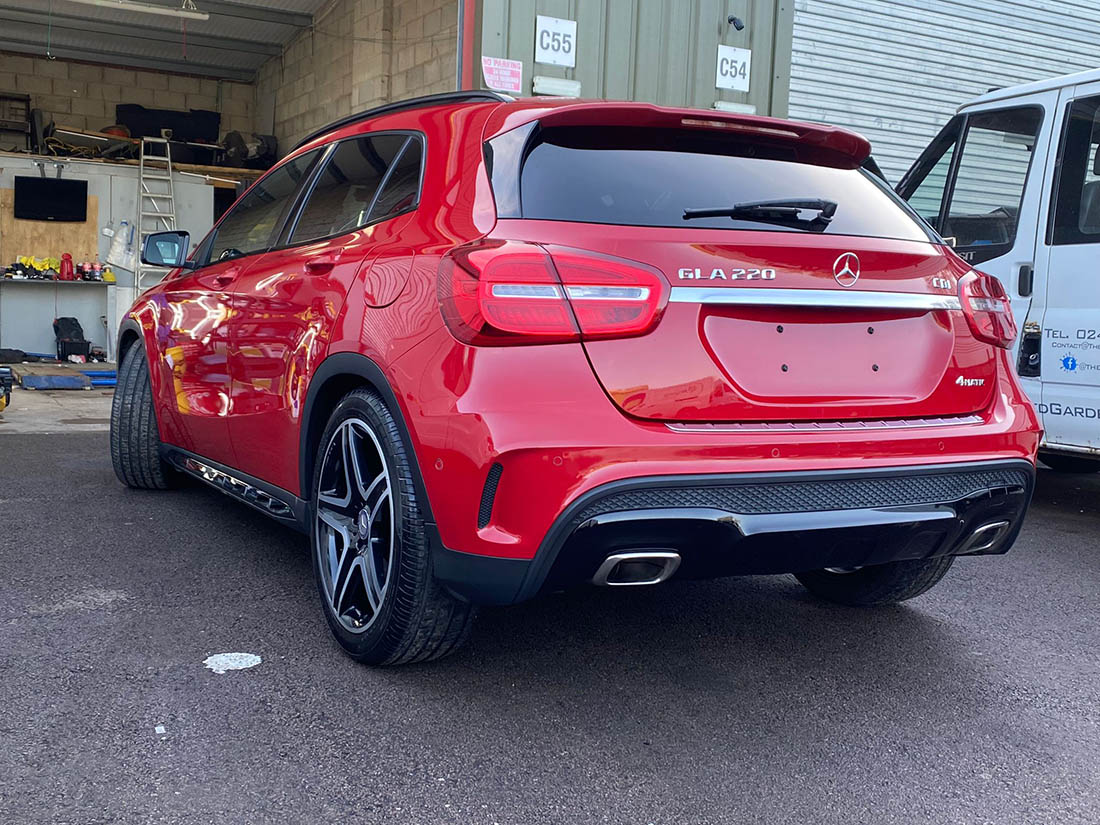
pixel 353 364
pixel 468 576
pixel 128 325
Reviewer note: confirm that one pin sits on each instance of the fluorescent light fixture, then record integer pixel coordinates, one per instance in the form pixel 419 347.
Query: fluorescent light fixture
pixel 556 86
pixel 187 10
pixel 739 108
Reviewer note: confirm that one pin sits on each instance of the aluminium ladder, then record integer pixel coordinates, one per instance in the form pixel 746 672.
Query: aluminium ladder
pixel 156 201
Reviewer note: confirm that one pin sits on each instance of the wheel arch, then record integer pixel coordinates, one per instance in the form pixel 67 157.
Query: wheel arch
pixel 336 376
pixel 129 332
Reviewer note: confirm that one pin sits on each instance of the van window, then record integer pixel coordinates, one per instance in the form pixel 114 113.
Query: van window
pixel 345 189
pixel 649 176
pixel 927 198
pixel 1077 189
pixel 256 218
pixel 984 208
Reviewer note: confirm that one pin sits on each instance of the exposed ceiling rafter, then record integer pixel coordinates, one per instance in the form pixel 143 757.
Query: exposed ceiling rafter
pixel 116 58
pixel 80 25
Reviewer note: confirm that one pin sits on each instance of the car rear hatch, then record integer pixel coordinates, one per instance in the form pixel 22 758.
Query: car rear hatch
pixel 799 311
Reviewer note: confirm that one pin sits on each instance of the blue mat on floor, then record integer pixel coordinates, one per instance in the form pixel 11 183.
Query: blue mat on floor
pixel 55 382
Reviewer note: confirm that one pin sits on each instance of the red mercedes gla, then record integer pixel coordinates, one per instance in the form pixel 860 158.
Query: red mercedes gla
pixel 478 349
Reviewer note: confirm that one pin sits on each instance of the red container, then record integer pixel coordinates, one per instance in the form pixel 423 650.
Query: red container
pixel 66 273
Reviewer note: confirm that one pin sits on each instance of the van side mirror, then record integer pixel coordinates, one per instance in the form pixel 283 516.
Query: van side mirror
pixel 167 249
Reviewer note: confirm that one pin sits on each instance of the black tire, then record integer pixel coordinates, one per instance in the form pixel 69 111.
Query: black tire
pixel 879 584
pixel 135 441
pixel 1062 463
pixel 417 620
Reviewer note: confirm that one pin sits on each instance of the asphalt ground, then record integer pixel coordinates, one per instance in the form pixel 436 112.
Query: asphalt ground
pixel 741 700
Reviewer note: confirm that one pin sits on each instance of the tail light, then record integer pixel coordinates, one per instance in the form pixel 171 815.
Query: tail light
pixel 511 292
pixel 987 309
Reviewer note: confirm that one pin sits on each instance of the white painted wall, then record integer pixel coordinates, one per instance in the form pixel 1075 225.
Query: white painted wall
pixel 896 70
pixel 27 311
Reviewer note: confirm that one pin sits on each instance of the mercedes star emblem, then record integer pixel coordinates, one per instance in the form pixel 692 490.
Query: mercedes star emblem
pixel 846 269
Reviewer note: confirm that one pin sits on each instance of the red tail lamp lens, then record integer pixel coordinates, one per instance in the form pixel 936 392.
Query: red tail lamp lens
pixel 510 292
pixel 987 309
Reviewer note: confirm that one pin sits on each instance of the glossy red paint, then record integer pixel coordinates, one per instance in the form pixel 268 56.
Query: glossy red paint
pixel 235 346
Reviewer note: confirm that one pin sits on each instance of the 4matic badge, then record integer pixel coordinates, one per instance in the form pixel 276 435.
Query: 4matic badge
pixel 969 382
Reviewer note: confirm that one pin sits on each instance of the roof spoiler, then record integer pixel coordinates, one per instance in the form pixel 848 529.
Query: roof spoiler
pixel 849 147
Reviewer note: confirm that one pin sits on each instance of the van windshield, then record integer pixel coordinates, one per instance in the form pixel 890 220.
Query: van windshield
pixel 649 177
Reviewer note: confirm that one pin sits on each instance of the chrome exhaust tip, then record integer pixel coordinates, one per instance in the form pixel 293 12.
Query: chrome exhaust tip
pixel 638 568
pixel 984 538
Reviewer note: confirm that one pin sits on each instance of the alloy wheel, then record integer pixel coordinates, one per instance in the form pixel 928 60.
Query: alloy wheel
pixel 355 525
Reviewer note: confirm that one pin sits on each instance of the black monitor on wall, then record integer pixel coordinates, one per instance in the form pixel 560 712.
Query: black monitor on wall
pixel 51 199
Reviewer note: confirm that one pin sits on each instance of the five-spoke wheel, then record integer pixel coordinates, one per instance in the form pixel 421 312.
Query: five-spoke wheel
pixel 355 525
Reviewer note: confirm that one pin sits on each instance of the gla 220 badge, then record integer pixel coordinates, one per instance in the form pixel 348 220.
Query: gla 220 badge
pixel 696 274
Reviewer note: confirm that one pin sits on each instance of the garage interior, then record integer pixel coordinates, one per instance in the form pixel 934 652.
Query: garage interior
pixel 90 90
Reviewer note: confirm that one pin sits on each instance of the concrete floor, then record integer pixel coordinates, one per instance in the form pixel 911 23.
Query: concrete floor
pixel 732 701
pixel 57 411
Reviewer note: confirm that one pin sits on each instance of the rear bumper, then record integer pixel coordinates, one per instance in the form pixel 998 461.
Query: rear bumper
pixel 761 523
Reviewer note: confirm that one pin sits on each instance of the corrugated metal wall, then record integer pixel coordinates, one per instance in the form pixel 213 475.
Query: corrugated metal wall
pixel 662 51
pixel 896 70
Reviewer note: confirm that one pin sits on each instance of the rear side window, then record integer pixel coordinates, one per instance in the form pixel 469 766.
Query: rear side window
pixel 648 177
pixel 1077 198
pixel 348 186
pixel 401 190
pixel 256 218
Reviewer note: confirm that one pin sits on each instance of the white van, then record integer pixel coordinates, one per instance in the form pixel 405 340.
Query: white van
pixel 1013 183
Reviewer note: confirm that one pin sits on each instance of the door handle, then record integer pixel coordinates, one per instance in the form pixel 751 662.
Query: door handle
pixel 320 264
pixel 224 278
pixel 1025 280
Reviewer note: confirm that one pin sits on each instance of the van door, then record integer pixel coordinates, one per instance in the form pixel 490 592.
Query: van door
pixel 1070 349
pixel 981 183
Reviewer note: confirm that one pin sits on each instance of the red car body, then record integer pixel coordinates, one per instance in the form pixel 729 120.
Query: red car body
pixel 516 439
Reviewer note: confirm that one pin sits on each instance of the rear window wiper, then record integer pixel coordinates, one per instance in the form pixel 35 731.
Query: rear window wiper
pixel 780 211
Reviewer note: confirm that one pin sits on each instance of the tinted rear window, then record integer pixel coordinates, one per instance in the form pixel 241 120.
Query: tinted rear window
pixel 648 177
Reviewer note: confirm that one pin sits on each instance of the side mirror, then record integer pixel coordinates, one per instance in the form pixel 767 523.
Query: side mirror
pixel 167 249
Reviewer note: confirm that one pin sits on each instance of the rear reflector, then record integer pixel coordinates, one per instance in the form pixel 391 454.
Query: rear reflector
pixel 987 309
pixel 512 292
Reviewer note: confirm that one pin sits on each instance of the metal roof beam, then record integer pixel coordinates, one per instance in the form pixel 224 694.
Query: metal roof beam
pixel 79 25
pixel 297 19
pixel 38 48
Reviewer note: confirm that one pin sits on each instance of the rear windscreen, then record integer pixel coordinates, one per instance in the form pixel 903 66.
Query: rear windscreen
pixel 648 177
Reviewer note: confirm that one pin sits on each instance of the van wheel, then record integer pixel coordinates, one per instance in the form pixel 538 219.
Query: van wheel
pixel 371 553
pixel 135 441
pixel 876 585
pixel 1061 463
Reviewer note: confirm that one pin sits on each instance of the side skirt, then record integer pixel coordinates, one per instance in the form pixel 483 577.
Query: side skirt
pixel 279 504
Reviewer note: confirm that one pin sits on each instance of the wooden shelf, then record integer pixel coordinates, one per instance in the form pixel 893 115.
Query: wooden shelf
pixel 232 172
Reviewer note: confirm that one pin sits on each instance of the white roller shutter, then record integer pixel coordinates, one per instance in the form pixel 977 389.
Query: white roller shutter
pixel 896 70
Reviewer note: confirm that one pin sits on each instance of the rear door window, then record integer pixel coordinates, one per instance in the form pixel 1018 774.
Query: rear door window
pixel 255 220
pixel 649 177
pixel 348 186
